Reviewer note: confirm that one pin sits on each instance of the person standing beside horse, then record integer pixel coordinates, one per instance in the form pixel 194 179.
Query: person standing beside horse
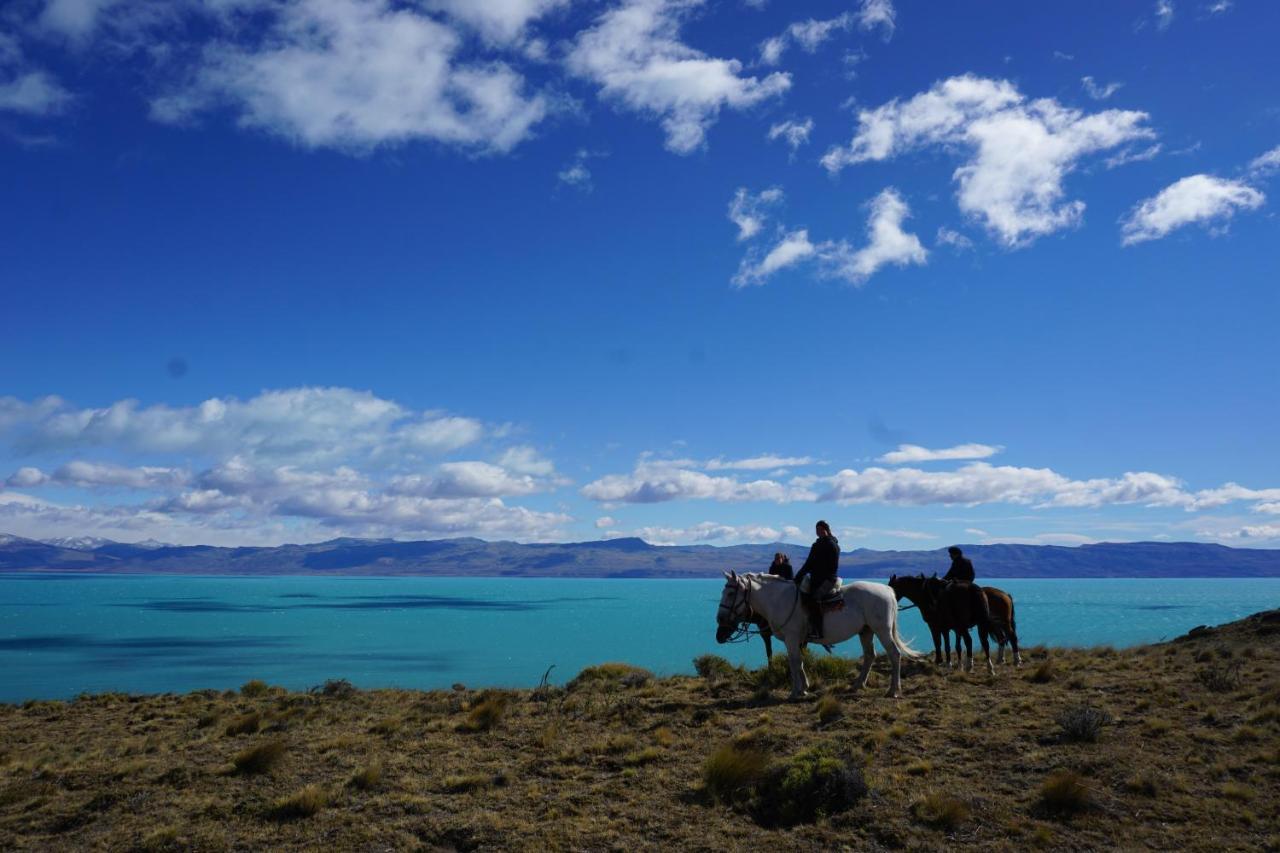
pixel 820 568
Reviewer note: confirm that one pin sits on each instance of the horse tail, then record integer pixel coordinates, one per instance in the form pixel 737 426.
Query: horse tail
pixel 904 648
pixel 984 610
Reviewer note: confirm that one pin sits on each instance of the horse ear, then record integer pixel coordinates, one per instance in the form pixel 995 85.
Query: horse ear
pixel 728 576
pixel 892 578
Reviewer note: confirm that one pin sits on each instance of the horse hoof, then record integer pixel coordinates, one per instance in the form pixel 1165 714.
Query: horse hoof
pixel 893 694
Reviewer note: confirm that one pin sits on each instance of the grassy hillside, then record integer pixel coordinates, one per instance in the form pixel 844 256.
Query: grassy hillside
pixel 1168 746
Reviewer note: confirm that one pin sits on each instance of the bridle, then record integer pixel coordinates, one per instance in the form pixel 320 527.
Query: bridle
pixel 743 631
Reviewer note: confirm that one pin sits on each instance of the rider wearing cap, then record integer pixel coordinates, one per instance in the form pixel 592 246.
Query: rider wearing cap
pixel 820 568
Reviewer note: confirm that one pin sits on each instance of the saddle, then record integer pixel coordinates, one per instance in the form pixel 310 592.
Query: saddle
pixel 832 601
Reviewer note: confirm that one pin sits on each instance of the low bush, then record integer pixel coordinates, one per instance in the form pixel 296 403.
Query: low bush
pixel 732 771
pixel 336 688
pixel 607 674
pixel 1082 723
pixel 814 783
pixel 256 687
pixel 1221 679
pixel 260 757
pixel 713 667
pixel 300 804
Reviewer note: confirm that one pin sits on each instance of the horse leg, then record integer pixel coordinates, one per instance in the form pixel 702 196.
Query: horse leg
pixel 885 633
pixel 868 657
pixel 968 648
pixel 799 680
pixel 937 648
pixel 1013 641
pixel 767 636
pixel 946 642
pixel 986 648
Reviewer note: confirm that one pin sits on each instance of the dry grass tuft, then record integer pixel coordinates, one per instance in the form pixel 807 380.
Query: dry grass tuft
pixel 245 724
pixel 1044 673
pixel 941 811
pixel 486 713
pixel 260 757
pixel 1082 723
pixel 368 777
pixel 828 709
pixel 1065 793
pixel 732 770
pixel 303 803
pixel 254 688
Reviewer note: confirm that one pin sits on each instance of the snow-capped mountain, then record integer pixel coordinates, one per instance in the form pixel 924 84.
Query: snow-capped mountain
pixel 78 543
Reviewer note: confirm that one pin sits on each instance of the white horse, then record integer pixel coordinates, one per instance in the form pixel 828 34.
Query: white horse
pixel 868 608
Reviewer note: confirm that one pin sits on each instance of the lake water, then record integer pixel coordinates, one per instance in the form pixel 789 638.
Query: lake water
pixel 63 635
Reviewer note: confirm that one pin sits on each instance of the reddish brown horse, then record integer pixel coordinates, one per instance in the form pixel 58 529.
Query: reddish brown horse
pixel 1003 626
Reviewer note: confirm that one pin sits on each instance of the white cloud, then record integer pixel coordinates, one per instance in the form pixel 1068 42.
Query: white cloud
pixel 1019 151
pixel 1097 92
pixel 790 250
pixel 759 463
pixel 500 21
pixel 878 13
pixel 1131 155
pixel 348 74
pixel 749 212
pixel 1252 532
pixel 949 237
pixel 74 19
pixel 470 479
pixel 1219 6
pixel 295 423
pixel 33 93
pixel 810 35
pixel 707 531
pixel 795 133
pixel 657 482
pixel 605 521
pixel 916 453
pixel 26 477
pixel 635 54
pixel 576 174
pixel 1265 164
pixel 887 243
pixel 1194 199
pixel 1164 14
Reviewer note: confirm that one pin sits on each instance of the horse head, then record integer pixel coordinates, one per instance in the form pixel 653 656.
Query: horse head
pixel 734 608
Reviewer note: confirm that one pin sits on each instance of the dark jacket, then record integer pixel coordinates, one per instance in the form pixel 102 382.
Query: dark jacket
pixel 961 570
pixel 782 570
pixel 822 563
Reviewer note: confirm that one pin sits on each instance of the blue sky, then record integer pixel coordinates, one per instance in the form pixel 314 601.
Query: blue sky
pixel 694 271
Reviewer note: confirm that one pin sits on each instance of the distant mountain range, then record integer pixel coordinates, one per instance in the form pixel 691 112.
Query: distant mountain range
pixel 618 558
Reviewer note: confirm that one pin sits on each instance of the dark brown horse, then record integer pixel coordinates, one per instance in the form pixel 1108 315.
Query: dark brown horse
pixel 948 606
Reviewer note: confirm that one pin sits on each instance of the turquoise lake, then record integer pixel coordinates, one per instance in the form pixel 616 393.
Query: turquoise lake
pixel 63 635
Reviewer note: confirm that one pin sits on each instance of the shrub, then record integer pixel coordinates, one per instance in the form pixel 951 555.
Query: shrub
pixel 256 687
pixel 260 757
pixel 1221 679
pixel 610 674
pixel 486 713
pixel 832 668
pixel 732 770
pixel 1065 793
pixel 919 768
pixel 204 721
pixel 712 667
pixel 814 783
pixel 303 803
pixel 941 811
pixel 368 777
pixel 828 709
pixel 245 724
pixel 336 688
pixel 1082 723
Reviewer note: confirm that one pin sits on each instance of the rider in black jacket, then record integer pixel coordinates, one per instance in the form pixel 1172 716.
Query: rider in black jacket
pixel 961 568
pixel 820 567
